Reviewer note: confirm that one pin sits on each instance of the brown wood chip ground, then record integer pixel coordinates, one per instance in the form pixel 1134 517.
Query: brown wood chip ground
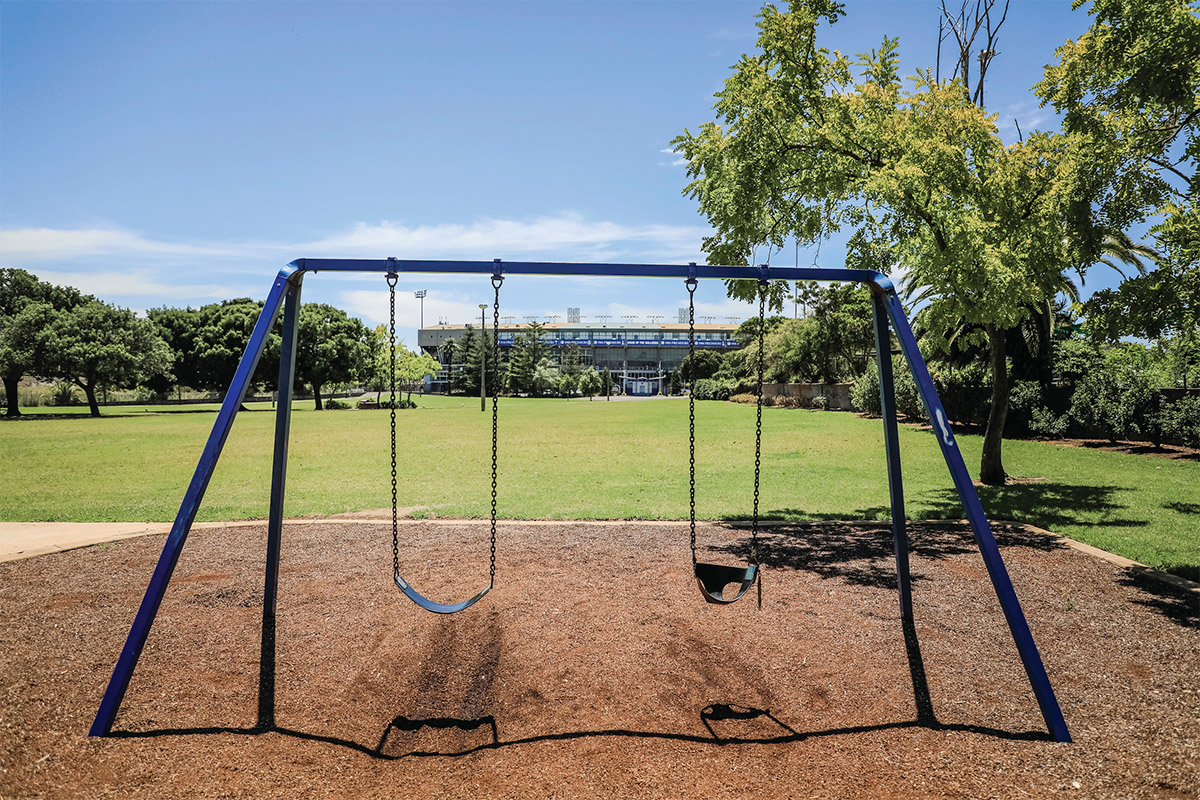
pixel 594 670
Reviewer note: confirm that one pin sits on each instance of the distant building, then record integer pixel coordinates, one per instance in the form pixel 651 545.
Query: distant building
pixel 639 356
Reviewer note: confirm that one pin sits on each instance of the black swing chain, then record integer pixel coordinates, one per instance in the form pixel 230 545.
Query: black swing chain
pixel 762 304
pixel 391 282
pixel 496 281
pixel 691 287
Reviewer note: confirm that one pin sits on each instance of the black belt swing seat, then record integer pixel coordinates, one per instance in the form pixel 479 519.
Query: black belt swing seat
pixel 403 585
pixel 715 579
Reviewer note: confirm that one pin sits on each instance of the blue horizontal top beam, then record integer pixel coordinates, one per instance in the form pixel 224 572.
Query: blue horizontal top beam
pixel 577 268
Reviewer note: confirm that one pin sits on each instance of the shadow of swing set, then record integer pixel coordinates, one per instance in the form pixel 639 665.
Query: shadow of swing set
pixel 718 583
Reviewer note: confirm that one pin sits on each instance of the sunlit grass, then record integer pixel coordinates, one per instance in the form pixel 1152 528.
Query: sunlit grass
pixel 578 459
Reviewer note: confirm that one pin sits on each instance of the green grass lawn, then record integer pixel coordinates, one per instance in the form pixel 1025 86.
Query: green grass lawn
pixel 579 459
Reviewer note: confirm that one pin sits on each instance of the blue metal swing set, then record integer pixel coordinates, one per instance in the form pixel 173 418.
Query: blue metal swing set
pixel 285 296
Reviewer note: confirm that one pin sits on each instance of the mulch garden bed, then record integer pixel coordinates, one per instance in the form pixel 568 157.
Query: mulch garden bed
pixel 594 669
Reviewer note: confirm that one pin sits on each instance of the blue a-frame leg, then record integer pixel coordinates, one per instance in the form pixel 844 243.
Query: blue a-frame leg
pixel 286 288
pixel 891 446
pixel 140 629
pixel 283 424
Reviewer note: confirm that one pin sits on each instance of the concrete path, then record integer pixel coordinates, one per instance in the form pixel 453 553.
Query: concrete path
pixel 28 539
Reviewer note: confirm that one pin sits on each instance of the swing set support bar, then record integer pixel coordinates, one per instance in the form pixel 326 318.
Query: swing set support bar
pixel 285 294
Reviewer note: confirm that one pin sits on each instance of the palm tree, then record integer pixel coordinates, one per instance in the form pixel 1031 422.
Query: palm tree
pixel 1027 344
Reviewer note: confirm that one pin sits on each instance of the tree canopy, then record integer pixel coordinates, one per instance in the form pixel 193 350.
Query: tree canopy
pixel 332 348
pixel 27 308
pixel 96 345
pixel 809 142
pixel 1129 88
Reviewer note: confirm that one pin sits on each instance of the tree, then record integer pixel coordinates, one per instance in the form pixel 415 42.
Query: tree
pixel 412 369
pixel 379 359
pixel 701 364
pixel 207 343
pixel 527 351
pixel 1129 87
pixel 545 377
pixel 590 383
pixel 27 307
pixel 834 343
pixel 448 350
pixel 97 345
pixel 332 348
pixel 918 174
pixel 476 352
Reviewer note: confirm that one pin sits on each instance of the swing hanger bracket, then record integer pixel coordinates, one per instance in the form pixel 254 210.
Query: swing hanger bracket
pixel 392 277
pixel 763 269
pixel 497 275
pixel 691 276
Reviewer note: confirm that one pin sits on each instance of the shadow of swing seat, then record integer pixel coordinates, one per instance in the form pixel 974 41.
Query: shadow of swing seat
pixel 714 578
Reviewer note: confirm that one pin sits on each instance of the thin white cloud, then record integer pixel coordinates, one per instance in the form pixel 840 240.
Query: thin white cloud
pixel 567 232
pixel 678 162
pixel 1026 113
pixel 31 245
pixel 441 305
pixel 563 236
pixel 136 283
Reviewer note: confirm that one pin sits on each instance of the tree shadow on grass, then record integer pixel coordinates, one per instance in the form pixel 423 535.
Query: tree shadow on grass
pixel 1047 505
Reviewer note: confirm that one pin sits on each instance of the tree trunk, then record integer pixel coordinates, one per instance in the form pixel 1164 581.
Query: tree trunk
pixel 317 395
pixel 11 383
pixel 991 467
pixel 89 391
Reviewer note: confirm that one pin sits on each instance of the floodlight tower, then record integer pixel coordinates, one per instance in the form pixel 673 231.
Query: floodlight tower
pixel 420 295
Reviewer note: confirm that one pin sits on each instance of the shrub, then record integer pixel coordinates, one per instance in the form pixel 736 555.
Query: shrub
pixel 1045 422
pixel 1115 404
pixel 788 402
pixel 63 394
pixel 743 397
pixel 1181 420
pixel 819 402
pixel 335 405
pixel 864 394
pixel 908 399
pixel 709 389
pixel 1028 413
pixel 144 394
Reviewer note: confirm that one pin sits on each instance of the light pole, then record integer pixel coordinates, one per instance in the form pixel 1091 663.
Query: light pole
pixel 420 295
pixel 482 354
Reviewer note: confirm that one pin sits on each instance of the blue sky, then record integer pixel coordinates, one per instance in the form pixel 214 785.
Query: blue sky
pixel 178 153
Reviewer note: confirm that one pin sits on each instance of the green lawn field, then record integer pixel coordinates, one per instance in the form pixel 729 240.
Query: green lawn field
pixel 581 460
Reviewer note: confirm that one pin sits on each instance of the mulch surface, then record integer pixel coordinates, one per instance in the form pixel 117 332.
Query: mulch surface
pixel 594 669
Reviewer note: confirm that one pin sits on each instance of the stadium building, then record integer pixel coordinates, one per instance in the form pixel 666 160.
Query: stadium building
pixel 639 356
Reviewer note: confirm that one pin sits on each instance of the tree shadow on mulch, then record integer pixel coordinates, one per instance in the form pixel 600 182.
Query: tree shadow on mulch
pixel 861 553
pixel 1176 605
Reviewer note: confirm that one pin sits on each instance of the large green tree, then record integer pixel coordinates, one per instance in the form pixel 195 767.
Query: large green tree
pixel 28 306
pixel 208 342
pixel 96 345
pixel 1129 87
pixel 527 351
pixel 809 142
pixel 332 348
